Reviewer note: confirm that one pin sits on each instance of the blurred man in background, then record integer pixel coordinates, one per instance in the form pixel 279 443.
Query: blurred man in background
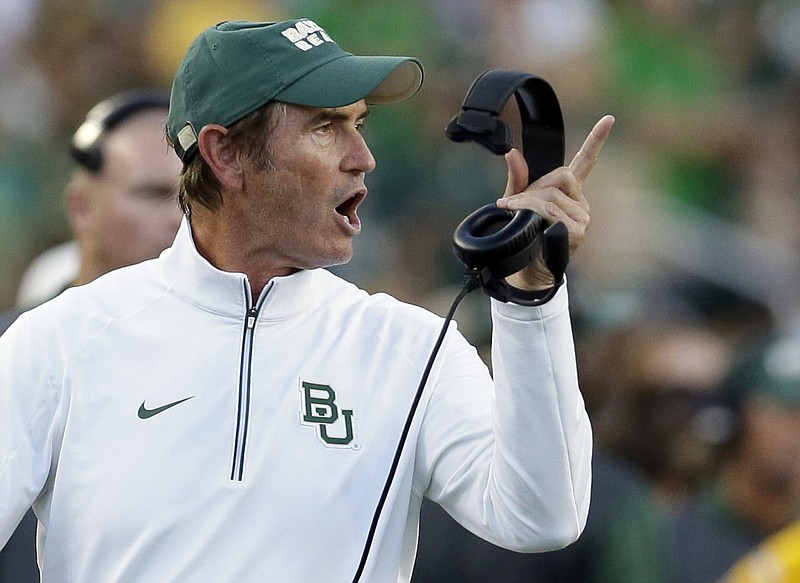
pixel 121 199
pixel 756 492
pixel 123 209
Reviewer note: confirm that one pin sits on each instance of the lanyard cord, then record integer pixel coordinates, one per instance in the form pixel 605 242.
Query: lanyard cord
pixel 470 283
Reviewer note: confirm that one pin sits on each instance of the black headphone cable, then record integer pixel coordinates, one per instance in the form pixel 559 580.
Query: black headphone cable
pixel 470 283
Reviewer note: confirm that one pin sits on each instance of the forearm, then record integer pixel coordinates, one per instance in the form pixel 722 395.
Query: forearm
pixel 511 462
pixel 541 464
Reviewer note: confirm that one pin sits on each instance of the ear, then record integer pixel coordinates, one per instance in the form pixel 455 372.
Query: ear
pixel 79 206
pixel 221 158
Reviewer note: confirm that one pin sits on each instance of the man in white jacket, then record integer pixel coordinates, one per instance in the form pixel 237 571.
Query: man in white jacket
pixel 230 411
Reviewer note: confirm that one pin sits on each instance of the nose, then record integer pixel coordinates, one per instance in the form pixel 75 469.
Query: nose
pixel 359 158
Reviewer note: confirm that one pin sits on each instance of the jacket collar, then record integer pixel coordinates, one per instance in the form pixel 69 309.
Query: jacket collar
pixel 227 293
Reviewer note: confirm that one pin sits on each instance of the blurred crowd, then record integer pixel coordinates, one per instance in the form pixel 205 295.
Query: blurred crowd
pixel 686 293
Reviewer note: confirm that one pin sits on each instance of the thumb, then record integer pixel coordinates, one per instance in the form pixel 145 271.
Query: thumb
pixel 517 172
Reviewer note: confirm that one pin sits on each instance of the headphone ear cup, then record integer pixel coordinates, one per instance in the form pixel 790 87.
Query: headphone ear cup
pixel 500 240
pixel 90 156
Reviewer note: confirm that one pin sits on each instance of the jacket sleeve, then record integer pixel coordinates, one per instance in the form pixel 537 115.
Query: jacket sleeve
pixel 28 403
pixel 511 459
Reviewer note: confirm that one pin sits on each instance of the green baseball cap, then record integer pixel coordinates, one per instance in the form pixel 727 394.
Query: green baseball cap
pixel 235 67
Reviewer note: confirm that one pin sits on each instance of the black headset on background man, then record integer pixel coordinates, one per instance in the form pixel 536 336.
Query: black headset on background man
pixel 494 243
pixel 85 147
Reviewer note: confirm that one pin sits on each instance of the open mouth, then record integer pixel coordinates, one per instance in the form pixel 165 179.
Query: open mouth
pixel 347 210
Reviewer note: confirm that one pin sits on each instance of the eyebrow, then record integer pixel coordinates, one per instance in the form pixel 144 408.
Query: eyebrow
pixel 335 114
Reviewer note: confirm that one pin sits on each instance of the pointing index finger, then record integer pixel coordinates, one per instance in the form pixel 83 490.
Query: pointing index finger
pixel 587 156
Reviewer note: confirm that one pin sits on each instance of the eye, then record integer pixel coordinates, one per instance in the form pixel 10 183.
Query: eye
pixel 324 128
pixel 155 193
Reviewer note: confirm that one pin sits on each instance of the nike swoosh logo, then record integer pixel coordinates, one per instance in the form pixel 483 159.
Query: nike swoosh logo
pixel 145 413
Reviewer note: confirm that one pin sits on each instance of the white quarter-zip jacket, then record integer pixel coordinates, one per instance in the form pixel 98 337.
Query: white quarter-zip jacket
pixel 166 426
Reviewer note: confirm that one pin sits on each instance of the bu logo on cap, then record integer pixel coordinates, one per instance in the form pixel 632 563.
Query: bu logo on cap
pixel 306 34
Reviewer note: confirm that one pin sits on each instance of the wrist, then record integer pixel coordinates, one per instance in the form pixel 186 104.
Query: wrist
pixel 534 280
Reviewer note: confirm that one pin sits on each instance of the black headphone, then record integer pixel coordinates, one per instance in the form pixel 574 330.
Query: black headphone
pixel 494 243
pixel 105 116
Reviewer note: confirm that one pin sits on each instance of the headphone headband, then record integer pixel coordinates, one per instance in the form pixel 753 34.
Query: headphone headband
pixel 540 113
pixel 104 117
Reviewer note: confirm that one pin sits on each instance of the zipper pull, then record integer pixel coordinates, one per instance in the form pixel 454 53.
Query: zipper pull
pixel 252 316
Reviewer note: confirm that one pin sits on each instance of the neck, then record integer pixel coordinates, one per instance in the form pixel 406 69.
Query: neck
pixel 82 278
pixel 89 269
pixel 226 245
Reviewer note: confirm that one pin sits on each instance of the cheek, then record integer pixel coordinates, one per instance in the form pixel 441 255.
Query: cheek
pixel 301 193
pixel 141 225
pixel 138 214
